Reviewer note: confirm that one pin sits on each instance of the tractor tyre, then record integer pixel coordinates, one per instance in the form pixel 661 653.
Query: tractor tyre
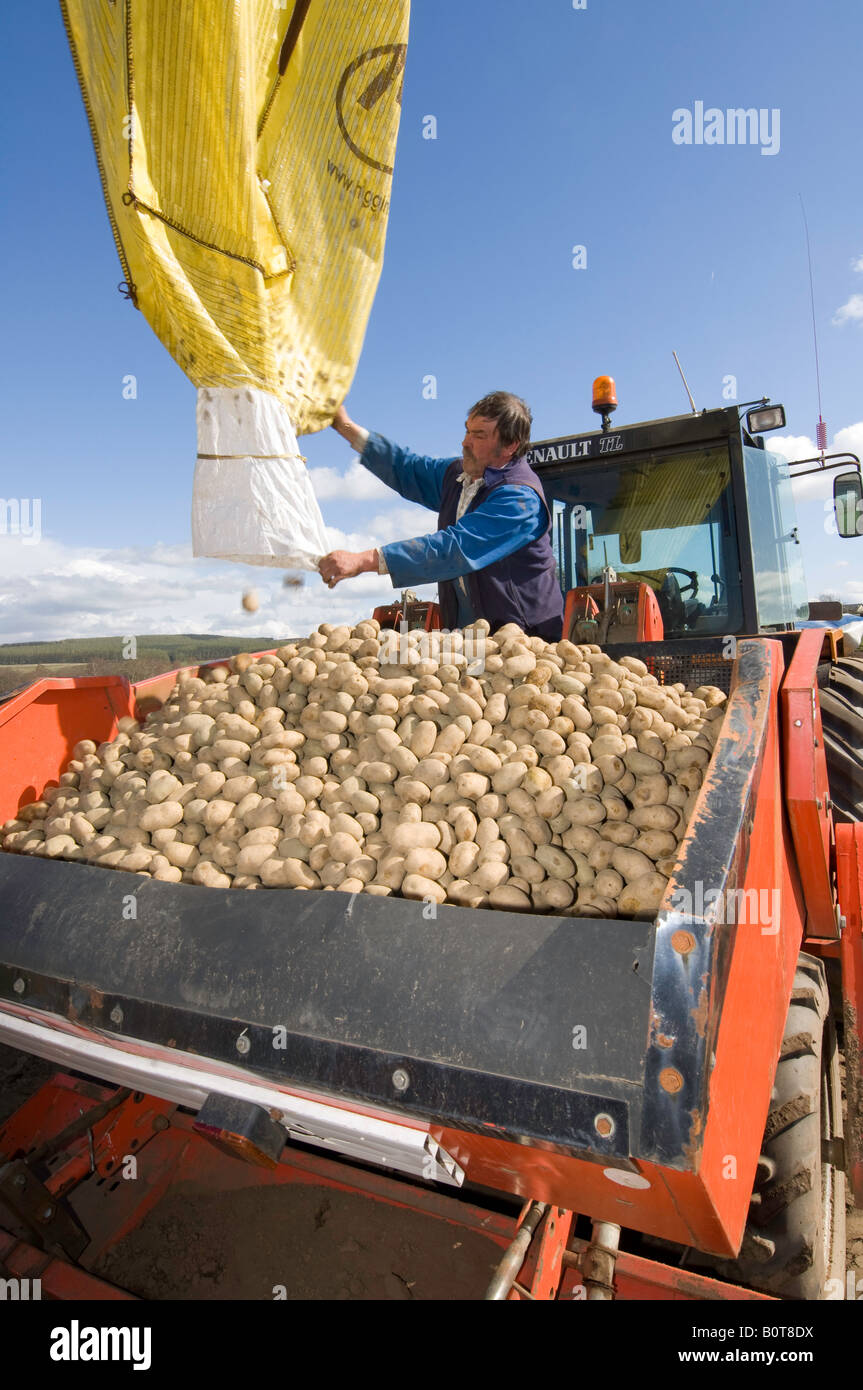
pixel 841 694
pixel 794 1241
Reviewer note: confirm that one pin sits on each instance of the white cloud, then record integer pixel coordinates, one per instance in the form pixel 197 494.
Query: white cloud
pixel 800 446
pixel 50 591
pixel 394 524
pixel 850 311
pixel 356 484
pixel 402 523
pixel 792 446
pixel 397 524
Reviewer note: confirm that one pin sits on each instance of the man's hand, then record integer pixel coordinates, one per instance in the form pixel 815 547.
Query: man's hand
pixel 356 436
pixel 346 564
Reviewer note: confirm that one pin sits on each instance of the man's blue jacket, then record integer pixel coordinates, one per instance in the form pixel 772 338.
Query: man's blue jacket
pixel 510 518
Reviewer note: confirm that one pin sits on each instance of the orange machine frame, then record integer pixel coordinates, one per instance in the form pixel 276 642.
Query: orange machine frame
pixel 696 1206
pixel 586 602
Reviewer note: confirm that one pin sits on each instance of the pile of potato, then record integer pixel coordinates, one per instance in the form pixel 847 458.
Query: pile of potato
pixel 555 779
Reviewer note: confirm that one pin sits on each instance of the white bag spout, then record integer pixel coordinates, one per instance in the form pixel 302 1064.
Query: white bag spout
pixel 252 499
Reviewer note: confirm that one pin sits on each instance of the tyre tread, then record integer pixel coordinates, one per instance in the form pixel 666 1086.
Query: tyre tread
pixel 779 1253
pixel 841 699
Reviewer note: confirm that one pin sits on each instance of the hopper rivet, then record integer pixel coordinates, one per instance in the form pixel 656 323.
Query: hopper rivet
pixel 683 942
pixel 670 1080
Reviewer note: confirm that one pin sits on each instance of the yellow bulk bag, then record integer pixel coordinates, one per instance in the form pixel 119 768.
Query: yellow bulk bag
pixel 245 149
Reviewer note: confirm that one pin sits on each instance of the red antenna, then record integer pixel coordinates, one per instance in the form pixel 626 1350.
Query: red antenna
pixel 821 427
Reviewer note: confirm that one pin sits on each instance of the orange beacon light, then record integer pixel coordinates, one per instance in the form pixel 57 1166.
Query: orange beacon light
pixel 604 398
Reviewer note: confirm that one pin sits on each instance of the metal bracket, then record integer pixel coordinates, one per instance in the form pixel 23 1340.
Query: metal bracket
pixel 50 1222
pixel 833 1152
pixel 599 1259
pixel 823 466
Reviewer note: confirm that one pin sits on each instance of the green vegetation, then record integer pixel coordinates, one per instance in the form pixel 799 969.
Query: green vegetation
pixel 186 647
pixel 21 663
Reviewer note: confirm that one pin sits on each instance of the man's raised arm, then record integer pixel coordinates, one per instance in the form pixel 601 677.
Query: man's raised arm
pixel 414 477
pixel 356 436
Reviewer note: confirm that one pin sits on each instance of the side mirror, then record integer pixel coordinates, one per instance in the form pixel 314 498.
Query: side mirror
pixel 826 611
pixel 848 504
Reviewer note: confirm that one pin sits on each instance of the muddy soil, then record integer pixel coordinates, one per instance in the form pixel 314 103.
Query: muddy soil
pixel 20 1076
pixel 296 1243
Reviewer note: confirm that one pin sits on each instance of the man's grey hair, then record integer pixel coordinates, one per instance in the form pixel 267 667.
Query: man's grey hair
pixel 511 415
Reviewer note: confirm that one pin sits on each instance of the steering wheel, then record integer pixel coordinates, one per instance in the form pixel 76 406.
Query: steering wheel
pixel 692 586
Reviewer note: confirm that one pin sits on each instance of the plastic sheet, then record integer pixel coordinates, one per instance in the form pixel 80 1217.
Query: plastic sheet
pixel 252 499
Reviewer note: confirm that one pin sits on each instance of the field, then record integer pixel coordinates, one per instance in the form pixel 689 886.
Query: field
pixel 178 648
pixel 24 662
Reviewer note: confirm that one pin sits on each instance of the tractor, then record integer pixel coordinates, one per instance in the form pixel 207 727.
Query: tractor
pixel 625 1109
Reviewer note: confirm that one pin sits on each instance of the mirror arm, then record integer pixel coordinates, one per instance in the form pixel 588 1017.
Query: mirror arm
pixel 823 467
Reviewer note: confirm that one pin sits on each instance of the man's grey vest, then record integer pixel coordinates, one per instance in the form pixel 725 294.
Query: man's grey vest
pixel 523 587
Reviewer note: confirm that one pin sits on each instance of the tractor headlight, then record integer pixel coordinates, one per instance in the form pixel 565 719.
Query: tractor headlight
pixel 770 417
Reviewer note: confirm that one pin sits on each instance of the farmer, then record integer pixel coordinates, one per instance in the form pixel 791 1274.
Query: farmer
pixel 491 555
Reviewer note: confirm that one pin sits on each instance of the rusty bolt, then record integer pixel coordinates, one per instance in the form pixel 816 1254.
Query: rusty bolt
pixel 19 985
pixel 683 942
pixel 401 1080
pixel 670 1080
pixel 243 1044
pixel 116 1014
pixel 604 1126
pixel 161 1123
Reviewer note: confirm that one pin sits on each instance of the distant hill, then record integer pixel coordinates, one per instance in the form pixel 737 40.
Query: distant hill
pixel 183 648
pixel 22 663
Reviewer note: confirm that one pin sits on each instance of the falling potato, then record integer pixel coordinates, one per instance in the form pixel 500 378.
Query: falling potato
pixel 293 581
pixel 250 601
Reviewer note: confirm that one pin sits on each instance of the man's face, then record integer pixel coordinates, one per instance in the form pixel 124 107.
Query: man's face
pixel 481 447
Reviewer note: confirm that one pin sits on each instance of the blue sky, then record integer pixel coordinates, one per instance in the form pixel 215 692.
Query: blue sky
pixel 554 129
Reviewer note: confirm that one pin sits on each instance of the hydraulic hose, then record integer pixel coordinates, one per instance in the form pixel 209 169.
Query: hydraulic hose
pixel 507 1271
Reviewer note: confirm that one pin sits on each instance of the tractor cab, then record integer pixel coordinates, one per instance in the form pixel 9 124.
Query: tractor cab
pixel 675 528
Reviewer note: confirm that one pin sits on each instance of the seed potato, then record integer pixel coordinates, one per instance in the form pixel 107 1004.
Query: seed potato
pixel 550 777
